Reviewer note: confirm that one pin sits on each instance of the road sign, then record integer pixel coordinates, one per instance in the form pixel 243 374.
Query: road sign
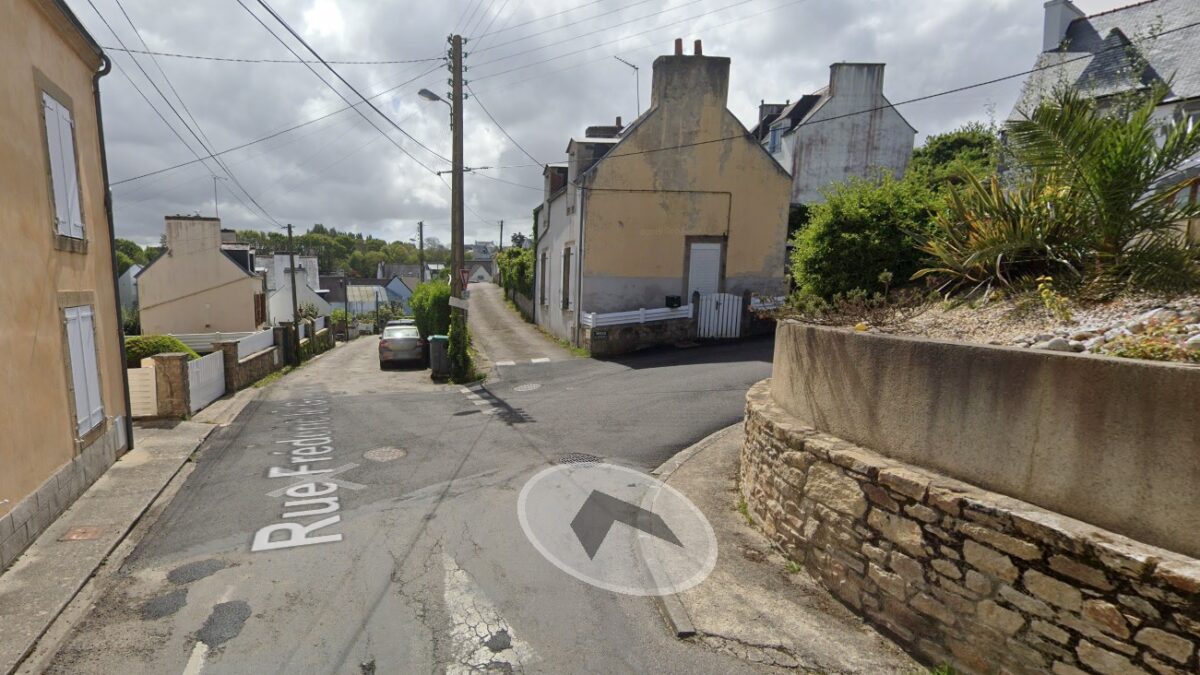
pixel 617 528
pixel 464 275
pixel 460 303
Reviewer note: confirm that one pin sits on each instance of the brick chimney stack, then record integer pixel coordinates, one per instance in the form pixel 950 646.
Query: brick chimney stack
pixel 678 46
pixel 698 50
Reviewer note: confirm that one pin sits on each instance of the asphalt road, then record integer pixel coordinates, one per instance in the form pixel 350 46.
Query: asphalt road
pixel 416 562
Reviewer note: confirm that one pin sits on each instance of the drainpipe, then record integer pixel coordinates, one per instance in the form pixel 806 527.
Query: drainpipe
pixel 105 69
pixel 579 266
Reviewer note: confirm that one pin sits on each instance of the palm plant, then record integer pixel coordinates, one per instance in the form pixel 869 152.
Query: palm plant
pixel 1120 181
pixel 1095 196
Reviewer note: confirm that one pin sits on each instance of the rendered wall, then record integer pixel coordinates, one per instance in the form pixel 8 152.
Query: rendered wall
pixel 1112 442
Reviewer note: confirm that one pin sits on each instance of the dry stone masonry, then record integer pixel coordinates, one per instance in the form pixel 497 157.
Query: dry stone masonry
pixel 964 576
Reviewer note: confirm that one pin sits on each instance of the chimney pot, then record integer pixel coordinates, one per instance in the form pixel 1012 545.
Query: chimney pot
pixel 699 51
pixel 618 121
pixel 678 46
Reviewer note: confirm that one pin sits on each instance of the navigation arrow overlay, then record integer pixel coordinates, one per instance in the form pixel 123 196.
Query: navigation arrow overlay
pixel 600 511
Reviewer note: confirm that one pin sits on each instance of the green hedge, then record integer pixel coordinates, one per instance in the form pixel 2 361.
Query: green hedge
pixel 516 270
pixel 140 347
pixel 431 308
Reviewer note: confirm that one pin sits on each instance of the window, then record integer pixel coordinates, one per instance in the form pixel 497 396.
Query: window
pixel 566 279
pixel 773 144
pixel 64 176
pixel 545 273
pixel 85 376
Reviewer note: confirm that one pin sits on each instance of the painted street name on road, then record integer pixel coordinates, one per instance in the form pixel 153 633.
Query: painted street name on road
pixel 309 442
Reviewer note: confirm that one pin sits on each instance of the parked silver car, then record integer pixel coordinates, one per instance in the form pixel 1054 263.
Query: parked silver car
pixel 401 343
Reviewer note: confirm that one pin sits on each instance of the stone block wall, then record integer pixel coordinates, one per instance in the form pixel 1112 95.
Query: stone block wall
pixel 961 575
pixel 33 514
pixel 241 373
pixel 623 339
pixel 171 382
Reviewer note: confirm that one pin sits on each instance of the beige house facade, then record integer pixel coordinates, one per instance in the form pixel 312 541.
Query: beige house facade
pixel 64 413
pixel 681 201
pixel 200 284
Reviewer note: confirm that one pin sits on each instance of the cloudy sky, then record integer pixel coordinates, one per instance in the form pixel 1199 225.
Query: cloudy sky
pixel 542 72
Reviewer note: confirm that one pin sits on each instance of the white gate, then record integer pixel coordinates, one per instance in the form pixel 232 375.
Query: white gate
pixel 206 379
pixel 143 392
pixel 719 316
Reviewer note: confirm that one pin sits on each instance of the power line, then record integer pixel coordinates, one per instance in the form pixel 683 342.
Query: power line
pixel 463 14
pixel 206 142
pixel 602 44
pixel 482 16
pixel 506 182
pixel 622 8
pixel 273 134
pixel 170 105
pixel 493 19
pixel 230 59
pixel 344 81
pixel 541 18
pixel 498 125
pixel 470 18
pixel 918 99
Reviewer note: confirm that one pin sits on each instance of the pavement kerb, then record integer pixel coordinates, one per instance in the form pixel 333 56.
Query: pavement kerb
pixel 49 615
pixel 670 606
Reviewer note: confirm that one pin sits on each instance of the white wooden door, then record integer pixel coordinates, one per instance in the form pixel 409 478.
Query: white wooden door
pixel 704 269
pixel 720 316
pixel 206 379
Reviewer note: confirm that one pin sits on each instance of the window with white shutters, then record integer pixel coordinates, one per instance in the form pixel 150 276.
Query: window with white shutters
pixel 85 374
pixel 64 176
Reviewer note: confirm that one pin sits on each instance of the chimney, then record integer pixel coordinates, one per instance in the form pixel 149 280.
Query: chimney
pixel 692 81
pixel 697 49
pixel 618 124
pixel 1059 15
pixel 856 79
pixel 192 234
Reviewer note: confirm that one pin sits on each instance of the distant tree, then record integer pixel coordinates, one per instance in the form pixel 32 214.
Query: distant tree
pixel 136 254
pixel 945 159
pixel 123 262
pixel 518 239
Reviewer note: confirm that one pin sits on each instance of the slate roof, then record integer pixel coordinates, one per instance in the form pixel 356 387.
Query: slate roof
pixel 1099 51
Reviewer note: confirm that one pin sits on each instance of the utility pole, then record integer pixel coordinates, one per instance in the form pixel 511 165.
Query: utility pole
pixel 502 235
pixel 456 185
pixel 216 211
pixel 421 247
pixel 295 309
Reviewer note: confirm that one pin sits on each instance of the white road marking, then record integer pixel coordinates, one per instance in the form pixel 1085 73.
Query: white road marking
pixel 506 363
pixel 464 390
pixel 322 478
pixel 480 401
pixel 479 635
pixel 541 360
pixel 196 661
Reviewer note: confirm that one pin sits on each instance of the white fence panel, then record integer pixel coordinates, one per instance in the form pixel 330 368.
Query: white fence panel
pixel 593 320
pixel 143 392
pixel 206 380
pixel 319 324
pixel 720 316
pixel 303 329
pixel 255 343
pixel 203 342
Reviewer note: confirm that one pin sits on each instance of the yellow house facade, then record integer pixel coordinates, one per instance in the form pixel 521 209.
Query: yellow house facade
pixel 683 201
pixel 64 412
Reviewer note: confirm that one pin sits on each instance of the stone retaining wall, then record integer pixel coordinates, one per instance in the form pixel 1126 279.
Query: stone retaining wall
pixel 961 575
pixel 626 338
pixel 241 373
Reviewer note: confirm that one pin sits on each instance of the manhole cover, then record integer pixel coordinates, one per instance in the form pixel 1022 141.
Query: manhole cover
pixel 532 386
pixel 579 458
pixel 85 533
pixel 385 454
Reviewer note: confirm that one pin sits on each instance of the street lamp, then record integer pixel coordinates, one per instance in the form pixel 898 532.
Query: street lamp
pixel 430 96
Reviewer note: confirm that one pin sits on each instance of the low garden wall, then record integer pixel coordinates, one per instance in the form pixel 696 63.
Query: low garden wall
pixel 1113 442
pixel 961 575
pixel 626 338
pixel 241 373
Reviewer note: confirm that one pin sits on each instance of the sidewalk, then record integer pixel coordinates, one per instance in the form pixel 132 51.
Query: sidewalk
pixel 36 589
pixel 751 606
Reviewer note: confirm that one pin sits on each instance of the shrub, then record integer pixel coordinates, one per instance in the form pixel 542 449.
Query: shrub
pixel 144 346
pixel 516 270
pixel 944 158
pixel 431 308
pixel 462 369
pixel 862 230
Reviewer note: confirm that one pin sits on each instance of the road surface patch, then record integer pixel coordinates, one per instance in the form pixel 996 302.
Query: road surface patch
pixel 616 528
pixel 532 386
pixel 481 639
pixel 385 454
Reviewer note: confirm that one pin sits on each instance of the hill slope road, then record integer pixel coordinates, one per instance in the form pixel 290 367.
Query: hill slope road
pixel 502 335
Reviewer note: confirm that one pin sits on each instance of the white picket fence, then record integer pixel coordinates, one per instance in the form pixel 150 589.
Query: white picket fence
pixel 206 380
pixel 203 342
pixel 143 392
pixel 595 320
pixel 255 343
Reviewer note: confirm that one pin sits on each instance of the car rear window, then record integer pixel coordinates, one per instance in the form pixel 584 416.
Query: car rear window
pixel 400 332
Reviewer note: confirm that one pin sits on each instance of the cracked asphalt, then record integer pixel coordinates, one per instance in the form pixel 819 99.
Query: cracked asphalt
pixel 430 571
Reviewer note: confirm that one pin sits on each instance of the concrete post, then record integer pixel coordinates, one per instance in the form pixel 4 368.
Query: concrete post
pixel 171 380
pixel 747 315
pixel 695 310
pixel 284 343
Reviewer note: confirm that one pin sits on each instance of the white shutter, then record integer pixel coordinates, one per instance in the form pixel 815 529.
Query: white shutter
pixel 62 218
pixel 85 375
pixel 87 331
pixel 66 132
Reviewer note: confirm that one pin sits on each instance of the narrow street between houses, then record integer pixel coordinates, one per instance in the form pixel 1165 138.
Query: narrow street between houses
pixel 503 336
pixel 406 556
